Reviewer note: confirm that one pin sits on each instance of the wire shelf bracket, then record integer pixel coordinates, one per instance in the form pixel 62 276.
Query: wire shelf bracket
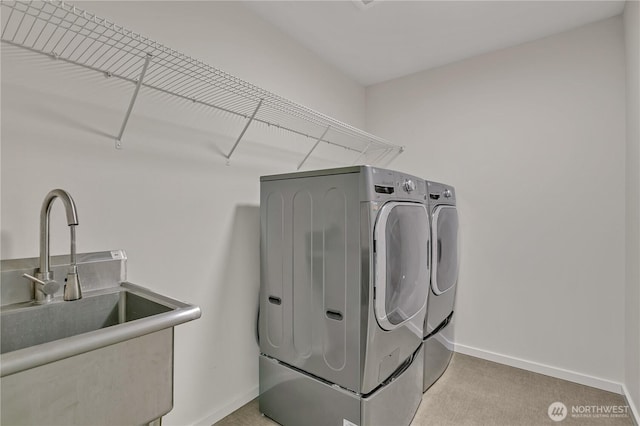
pixel 246 126
pixel 133 100
pixel 73 35
pixel 362 154
pixel 313 147
pixel 395 154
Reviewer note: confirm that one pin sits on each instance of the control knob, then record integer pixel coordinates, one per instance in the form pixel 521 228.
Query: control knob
pixel 447 193
pixel 408 185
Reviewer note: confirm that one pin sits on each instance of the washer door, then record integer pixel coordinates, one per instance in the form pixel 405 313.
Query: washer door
pixel 444 271
pixel 401 275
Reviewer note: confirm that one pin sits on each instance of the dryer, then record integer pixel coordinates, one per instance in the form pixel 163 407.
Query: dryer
pixel 343 296
pixel 438 337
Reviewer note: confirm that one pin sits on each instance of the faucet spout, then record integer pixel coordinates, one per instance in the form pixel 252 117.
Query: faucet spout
pixel 72 289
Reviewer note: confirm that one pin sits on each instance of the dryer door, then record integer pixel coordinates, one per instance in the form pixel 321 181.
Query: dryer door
pixel 401 275
pixel 445 249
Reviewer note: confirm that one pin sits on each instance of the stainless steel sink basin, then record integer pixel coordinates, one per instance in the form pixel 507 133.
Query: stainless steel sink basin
pixel 32 335
pixel 34 325
pixel 104 359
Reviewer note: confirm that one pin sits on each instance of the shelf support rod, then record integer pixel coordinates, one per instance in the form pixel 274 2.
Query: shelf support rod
pixel 398 152
pixel 246 126
pixel 313 147
pixel 379 158
pixel 133 101
pixel 362 153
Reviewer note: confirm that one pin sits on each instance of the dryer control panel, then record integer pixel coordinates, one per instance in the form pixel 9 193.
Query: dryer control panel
pixel 439 193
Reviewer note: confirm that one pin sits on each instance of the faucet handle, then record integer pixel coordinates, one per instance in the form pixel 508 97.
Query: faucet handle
pixel 47 287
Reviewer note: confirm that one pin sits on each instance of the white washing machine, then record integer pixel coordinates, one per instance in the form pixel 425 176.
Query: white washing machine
pixel 438 328
pixel 343 296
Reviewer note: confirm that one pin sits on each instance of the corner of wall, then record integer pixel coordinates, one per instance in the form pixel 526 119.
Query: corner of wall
pixel 631 19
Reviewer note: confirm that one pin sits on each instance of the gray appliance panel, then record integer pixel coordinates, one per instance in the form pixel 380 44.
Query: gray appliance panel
pixel 444 254
pixel 369 178
pixel 438 350
pixel 397 402
pixel 314 173
pixel 317 269
pixel 438 309
pixel 292 397
pixel 310 254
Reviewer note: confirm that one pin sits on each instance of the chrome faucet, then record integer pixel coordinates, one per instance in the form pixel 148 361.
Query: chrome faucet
pixel 43 283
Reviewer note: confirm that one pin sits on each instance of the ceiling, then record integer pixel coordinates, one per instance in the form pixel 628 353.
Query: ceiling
pixel 386 39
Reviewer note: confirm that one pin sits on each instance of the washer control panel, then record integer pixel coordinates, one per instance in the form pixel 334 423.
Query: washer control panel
pixel 382 184
pixel 408 185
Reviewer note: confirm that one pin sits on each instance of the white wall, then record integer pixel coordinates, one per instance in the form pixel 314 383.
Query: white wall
pixel 189 223
pixel 632 297
pixel 532 137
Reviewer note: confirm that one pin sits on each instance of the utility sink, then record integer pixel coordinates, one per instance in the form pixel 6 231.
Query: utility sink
pixel 32 335
pixel 35 325
pixel 104 359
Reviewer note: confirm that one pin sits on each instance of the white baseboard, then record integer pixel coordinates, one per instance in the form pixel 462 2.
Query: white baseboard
pixel 560 373
pixel 448 343
pixel 229 408
pixel 634 410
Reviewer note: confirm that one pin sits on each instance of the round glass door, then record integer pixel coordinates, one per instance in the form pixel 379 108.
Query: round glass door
pixel 445 249
pixel 401 272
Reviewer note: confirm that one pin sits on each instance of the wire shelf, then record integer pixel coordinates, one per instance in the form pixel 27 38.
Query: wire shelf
pixel 68 33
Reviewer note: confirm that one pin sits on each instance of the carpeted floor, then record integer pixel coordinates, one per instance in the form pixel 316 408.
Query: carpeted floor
pixel 477 392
